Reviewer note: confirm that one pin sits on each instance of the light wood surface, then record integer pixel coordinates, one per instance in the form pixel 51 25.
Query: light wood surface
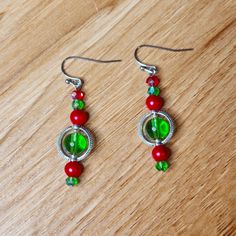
pixel 120 191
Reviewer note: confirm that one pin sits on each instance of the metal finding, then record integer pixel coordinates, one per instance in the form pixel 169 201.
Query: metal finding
pixel 75 80
pixel 152 69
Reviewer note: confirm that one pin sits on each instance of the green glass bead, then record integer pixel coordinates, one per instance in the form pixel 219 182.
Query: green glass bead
pixel 78 104
pixel 75 143
pixel 162 166
pixel 72 181
pixel 153 91
pixel 158 128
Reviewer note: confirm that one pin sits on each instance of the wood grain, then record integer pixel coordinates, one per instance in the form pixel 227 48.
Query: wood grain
pixel 120 192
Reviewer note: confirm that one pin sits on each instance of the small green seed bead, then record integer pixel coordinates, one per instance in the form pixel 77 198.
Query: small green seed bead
pixel 72 181
pixel 78 104
pixel 158 166
pixel 153 91
pixel 162 166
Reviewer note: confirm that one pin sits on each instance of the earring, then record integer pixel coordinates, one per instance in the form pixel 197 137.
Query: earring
pixel 76 142
pixel 156 128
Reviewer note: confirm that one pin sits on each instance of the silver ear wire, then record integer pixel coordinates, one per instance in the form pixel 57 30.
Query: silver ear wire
pixel 75 80
pixel 152 69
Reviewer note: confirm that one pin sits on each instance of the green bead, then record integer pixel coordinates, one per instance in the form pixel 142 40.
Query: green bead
pixel 72 181
pixel 78 104
pixel 153 91
pixel 75 143
pixel 162 166
pixel 158 128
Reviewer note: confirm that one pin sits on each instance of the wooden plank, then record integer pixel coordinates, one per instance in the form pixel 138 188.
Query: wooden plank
pixel 120 192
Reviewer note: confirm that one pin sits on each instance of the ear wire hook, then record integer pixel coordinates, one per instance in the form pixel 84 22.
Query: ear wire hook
pixel 75 80
pixel 152 69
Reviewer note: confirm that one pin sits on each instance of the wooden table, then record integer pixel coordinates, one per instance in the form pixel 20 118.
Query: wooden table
pixel 120 192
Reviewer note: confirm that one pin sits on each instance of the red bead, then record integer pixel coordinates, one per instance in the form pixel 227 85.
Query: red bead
pixel 79 117
pixel 153 80
pixel 154 102
pixel 77 94
pixel 73 169
pixel 160 153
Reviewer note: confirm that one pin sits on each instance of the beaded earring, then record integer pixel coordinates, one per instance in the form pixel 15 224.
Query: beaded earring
pixel 156 128
pixel 76 142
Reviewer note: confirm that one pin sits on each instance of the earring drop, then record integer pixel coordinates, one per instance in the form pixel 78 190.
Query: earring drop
pixel 76 142
pixel 156 128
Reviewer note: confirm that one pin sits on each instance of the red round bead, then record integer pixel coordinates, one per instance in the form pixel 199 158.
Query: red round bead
pixel 79 117
pixel 154 102
pixel 160 153
pixel 153 80
pixel 73 169
pixel 77 94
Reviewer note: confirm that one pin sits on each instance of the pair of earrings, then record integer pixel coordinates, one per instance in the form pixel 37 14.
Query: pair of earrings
pixel 156 128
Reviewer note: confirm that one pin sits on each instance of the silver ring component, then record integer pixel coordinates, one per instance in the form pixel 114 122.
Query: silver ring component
pixel 141 128
pixel 74 129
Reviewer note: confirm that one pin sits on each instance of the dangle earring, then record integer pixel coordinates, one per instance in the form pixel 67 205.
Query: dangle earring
pixel 76 142
pixel 156 128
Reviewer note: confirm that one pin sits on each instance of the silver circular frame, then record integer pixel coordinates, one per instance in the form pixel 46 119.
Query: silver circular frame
pixel 69 157
pixel 155 114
